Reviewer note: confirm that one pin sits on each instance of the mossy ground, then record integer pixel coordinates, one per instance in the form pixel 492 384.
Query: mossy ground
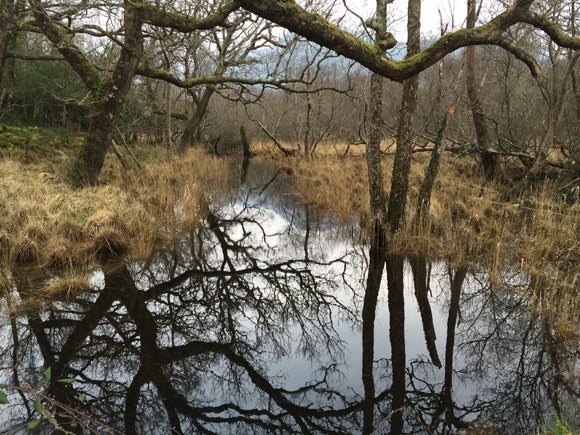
pixel 30 144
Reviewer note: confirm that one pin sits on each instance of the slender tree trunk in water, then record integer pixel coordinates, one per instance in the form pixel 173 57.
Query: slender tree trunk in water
pixel 396 301
pixel 420 275
pixel 374 277
pixel 489 159
pixel 378 203
pixel 402 164
pixel 456 283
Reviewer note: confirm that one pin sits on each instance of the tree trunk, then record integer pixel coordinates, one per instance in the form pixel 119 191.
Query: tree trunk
pixel 402 164
pixel 192 131
pixel 378 201
pixel 378 204
pixel 88 165
pixel 9 41
pixel 6 16
pixel 424 199
pixel 308 121
pixel 489 159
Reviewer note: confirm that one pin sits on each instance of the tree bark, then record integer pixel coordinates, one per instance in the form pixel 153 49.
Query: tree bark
pixel 378 201
pixel 402 164
pixel 192 131
pixel 489 159
pixel 87 167
pixel 6 16
pixel 424 199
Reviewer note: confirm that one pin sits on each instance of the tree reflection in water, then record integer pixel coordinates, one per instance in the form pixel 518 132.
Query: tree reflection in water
pixel 253 324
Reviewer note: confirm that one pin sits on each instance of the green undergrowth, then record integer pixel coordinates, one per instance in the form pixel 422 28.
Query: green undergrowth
pixel 559 427
pixel 30 144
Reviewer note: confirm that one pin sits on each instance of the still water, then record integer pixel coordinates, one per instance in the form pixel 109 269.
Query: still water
pixel 272 318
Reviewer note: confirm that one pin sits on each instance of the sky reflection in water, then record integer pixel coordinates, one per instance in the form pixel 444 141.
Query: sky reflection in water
pixel 253 324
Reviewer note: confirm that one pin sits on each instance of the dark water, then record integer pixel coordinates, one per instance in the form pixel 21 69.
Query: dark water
pixel 273 319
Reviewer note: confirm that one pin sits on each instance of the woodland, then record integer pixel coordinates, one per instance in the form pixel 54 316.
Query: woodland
pixel 127 126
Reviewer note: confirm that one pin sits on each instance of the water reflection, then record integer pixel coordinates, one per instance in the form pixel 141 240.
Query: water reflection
pixel 271 320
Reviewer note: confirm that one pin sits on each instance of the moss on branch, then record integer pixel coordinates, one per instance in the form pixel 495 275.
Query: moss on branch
pixel 290 15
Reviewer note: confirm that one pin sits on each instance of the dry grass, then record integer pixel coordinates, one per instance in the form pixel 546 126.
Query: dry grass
pixel 470 223
pixel 65 288
pixel 47 225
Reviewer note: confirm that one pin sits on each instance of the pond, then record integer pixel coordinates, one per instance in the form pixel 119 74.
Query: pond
pixel 272 318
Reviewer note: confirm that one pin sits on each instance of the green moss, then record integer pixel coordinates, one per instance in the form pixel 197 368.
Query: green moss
pixel 560 428
pixel 36 145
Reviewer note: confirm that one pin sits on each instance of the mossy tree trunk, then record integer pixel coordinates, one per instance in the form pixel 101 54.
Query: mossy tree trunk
pixel 6 25
pixel 105 112
pixel 402 164
pixel 108 92
pixel 10 41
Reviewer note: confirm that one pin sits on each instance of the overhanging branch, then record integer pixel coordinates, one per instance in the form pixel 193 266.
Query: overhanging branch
pixel 314 27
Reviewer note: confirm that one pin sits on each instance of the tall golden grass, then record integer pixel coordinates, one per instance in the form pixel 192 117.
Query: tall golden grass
pixel 45 224
pixel 471 222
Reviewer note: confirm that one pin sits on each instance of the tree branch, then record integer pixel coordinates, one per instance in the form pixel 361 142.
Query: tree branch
pixel 314 27
pixel 65 45
pixel 153 15
pixel 553 30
